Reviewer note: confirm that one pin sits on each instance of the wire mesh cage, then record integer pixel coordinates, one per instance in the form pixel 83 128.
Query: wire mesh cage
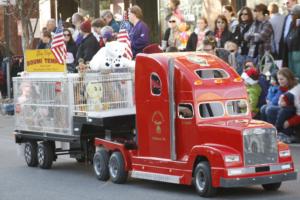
pixel 48 104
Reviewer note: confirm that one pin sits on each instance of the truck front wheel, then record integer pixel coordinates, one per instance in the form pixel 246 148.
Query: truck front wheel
pixel 100 163
pixel 272 186
pixel 202 180
pixel 117 168
pixel 30 154
pixel 45 155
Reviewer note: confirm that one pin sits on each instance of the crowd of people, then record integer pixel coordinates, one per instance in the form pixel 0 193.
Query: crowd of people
pixel 241 40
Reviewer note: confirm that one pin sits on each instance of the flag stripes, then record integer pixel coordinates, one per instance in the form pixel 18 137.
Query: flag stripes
pixel 124 37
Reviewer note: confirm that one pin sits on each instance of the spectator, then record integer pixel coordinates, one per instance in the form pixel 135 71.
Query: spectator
pixel 274 92
pixel 260 34
pixel 209 46
pixel 287 81
pixel 51 26
pixel 139 34
pixel 283 51
pixel 293 42
pixel 89 45
pixel 196 39
pixel 222 33
pixel 97 25
pixel 173 6
pixel 234 59
pixel 107 33
pixel 71 50
pixel 250 76
pixel 45 41
pixel 171 36
pixel 277 21
pixel 77 20
pixel 230 16
pixel 108 18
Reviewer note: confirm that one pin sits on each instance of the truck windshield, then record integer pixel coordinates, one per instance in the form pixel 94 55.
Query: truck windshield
pixel 217 109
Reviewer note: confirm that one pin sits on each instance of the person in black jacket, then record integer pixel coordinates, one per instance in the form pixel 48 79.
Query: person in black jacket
pixel 196 39
pixel 71 50
pixel 89 45
pixel 245 18
pixel 222 33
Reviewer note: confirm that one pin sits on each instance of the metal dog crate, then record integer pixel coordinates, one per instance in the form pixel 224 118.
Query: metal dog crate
pixel 48 103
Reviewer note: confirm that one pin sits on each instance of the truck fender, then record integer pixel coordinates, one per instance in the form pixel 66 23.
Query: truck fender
pixel 214 154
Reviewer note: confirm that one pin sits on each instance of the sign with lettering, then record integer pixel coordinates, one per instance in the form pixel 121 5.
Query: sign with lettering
pixel 42 60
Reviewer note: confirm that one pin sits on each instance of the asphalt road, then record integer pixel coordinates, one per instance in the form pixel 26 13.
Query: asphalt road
pixel 69 180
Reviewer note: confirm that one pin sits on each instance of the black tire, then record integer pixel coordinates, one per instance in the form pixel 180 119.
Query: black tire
pixel 203 181
pixel 30 154
pixel 45 154
pixel 271 186
pixel 117 168
pixel 100 164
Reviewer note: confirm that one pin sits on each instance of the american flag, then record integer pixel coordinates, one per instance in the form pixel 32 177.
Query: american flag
pixel 58 46
pixel 124 37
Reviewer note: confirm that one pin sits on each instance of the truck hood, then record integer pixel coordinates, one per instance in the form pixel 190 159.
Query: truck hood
pixel 235 124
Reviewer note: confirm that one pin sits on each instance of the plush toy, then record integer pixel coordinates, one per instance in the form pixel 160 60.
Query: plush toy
pixel 95 94
pixel 111 57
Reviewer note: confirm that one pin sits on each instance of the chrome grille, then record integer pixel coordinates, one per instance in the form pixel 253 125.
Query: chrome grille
pixel 260 146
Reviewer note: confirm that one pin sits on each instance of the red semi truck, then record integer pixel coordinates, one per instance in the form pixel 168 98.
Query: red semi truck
pixel 193 126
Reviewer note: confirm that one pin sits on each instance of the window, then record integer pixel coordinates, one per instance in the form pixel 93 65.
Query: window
pixel 212 73
pixel 185 111
pixel 237 107
pixel 155 84
pixel 210 110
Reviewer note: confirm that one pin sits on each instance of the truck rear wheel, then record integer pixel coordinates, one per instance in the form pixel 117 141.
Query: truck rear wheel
pixel 45 155
pixel 100 163
pixel 30 154
pixel 203 181
pixel 272 186
pixel 117 168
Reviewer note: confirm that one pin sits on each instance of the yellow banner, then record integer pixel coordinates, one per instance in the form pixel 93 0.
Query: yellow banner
pixel 42 60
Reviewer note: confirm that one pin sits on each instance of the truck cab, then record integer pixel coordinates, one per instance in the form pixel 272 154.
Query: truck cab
pixel 194 126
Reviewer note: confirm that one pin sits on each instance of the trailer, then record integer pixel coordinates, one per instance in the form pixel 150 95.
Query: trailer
pixel 58 114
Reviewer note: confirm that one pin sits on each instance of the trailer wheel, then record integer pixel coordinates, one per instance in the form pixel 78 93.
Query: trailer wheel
pixel 203 181
pixel 117 168
pixel 100 163
pixel 30 154
pixel 45 155
pixel 272 186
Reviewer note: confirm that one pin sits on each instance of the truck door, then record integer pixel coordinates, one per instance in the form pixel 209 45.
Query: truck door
pixel 152 105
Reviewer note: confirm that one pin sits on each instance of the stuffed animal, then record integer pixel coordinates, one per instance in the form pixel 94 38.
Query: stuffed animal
pixel 111 57
pixel 95 94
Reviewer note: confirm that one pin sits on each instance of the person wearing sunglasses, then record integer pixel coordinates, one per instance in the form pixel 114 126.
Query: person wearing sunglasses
pixel 222 33
pixel 245 18
pixel 171 36
pixel 71 50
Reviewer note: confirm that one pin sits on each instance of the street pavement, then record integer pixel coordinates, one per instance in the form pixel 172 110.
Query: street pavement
pixel 69 180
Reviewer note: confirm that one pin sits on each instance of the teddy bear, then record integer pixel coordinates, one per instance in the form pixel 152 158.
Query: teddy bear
pixel 111 58
pixel 95 94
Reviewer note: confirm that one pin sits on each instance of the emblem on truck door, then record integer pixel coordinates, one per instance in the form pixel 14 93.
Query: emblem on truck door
pixel 157 119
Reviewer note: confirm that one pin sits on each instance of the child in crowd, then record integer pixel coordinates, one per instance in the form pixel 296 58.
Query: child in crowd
pixel 274 92
pixel 234 59
pixel 250 76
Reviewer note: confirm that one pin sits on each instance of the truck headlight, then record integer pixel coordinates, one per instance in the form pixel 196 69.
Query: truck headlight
pixel 284 153
pixel 232 158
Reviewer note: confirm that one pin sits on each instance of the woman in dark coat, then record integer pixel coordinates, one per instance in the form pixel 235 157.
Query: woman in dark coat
pixel 222 33
pixel 71 50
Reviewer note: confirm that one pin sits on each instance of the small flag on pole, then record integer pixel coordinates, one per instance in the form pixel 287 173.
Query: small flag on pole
pixel 124 37
pixel 58 46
